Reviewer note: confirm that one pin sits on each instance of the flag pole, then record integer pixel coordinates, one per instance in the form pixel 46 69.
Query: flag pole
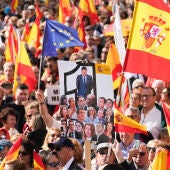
pixel 39 76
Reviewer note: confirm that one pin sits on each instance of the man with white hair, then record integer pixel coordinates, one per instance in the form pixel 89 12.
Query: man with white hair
pixel 158 86
pixel 138 86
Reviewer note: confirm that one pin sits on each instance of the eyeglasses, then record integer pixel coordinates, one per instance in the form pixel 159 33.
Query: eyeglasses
pixel 139 86
pixel 23 153
pixel 103 151
pixel 142 153
pixel 151 149
pixel 54 164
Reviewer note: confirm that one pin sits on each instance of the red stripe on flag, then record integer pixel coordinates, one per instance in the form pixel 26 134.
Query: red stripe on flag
pixel 150 65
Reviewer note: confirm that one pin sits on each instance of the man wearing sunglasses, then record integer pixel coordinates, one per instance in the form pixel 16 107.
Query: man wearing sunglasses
pixel 64 148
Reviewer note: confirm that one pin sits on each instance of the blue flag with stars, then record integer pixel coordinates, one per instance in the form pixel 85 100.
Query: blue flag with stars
pixel 57 35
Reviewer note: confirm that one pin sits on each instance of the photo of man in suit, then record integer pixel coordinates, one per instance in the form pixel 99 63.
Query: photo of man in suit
pixel 84 83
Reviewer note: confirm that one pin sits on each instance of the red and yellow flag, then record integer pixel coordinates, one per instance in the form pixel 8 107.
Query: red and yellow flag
pixel 125 124
pixel 14 5
pixel 34 35
pixel 25 33
pixel 11 50
pixel 64 10
pixel 161 160
pixel 88 8
pixel 23 70
pixel 149 40
pixel 38 164
pixel 167 116
pixel 114 62
pixel 12 153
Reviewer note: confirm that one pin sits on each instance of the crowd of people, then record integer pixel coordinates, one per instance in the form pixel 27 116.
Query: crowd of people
pixel 60 133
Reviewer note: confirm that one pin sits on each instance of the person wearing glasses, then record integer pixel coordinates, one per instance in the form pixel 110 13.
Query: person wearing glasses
pixel 139 159
pixel 65 151
pixel 50 160
pixel 26 154
pixel 151 116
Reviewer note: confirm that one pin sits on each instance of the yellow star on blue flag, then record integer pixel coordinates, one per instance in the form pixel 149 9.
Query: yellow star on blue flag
pixel 57 35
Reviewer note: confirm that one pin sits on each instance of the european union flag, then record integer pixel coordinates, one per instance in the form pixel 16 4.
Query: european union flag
pixel 57 35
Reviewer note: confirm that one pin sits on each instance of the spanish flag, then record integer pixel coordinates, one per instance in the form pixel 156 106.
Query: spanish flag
pixel 38 164
pixel 147 49
pixel 114 62
pixel 14 5
pixel 23 71
pixel 64 10
pixel 167 116
pixel 88 8
pixel 161 160
pixel 11 50
pixel 124 124
pixel 12 153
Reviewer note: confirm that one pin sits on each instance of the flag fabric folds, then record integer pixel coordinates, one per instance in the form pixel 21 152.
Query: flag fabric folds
pixel 13 152
pixel 57 35
pixel 149 40
pixel 167 116
pixel 23 70
pixel 161 160
pixel 114 62
pixel 124 124
pixel 14 5
pixel 38 164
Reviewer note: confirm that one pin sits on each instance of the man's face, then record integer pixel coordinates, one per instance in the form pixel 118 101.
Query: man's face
pixel 142 158
pixel 148 99
pixel 126 138
pixel 101 103
pixel 21 95
pixel 134 100
pixel 84 72
pixel 81 115
pixel 79 127
pixel 52 66
pixel 81 102
pixel 158 88
pixel 100 114
pixel 9 73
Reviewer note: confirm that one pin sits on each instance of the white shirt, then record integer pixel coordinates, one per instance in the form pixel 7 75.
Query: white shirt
pixel 152 120
pixel 67 165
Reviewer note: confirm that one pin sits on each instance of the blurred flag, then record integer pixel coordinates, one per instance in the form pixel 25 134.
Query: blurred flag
pixel 149 40
pixel 64 10
pixel 38 12
pixel 34 35
pixel 88 8
pixel 25 33
pixel 11 50
pixel 56 36
pixel 167 116
pixel 125 124
pixel 12 153
pixel 114 62
pixel 23 70
pixel 14 5
pixel 38 164
pixel 161 160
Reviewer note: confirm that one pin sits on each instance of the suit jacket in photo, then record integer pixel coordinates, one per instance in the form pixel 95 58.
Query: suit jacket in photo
pixel 84 88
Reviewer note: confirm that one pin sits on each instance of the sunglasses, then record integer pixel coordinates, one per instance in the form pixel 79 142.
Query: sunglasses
pixel 103 151
pixel 54 164
pixel 151 149
pixel 142 153
pixel 139 86
pixel 23 153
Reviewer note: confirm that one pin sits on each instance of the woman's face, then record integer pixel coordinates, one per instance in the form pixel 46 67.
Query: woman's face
pixel 64 112
pixel 11 121
pixel 53 163
pixel 91 111
pixel 109 126
pixel 87 131
pixel 24 155
pixel 29 114
pixel 79 128
pixel 53 136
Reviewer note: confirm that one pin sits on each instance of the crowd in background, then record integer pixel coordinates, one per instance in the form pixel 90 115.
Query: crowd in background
pixel 59 132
